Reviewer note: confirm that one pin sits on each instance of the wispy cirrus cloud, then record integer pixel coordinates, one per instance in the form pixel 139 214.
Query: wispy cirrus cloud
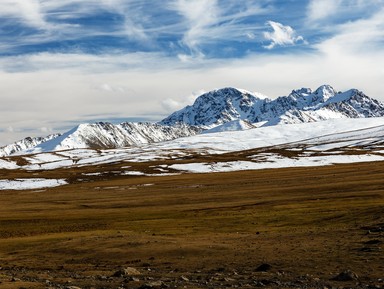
pixel 186 27
pixel 133 18
pixel 67 25
pixel 207 22
pixel 201 18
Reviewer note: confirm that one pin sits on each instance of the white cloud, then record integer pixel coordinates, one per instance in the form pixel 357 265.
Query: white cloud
pixel 171 105
pixel 46 130
pixel 29 11
pixel 83 63
pixel 360 35
pixel 281 35
pixel 320 9
pixel 111 88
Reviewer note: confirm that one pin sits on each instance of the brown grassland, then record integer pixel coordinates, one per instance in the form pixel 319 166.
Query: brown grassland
pixel 196 230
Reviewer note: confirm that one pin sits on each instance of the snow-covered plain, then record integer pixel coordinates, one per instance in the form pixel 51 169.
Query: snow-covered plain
pixel 314 144
pixel 29 184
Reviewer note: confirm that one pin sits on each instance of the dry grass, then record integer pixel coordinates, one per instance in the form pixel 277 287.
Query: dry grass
pixel 301 221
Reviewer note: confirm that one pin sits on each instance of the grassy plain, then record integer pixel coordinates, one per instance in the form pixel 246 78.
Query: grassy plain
pixel 196 230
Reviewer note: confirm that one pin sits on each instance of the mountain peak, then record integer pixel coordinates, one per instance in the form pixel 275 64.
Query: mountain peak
pixel 302 91
pixel 325 92
pixel 217 107
pixel 226 93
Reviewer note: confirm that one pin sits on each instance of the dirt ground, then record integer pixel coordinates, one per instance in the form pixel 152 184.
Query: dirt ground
pixel 279 228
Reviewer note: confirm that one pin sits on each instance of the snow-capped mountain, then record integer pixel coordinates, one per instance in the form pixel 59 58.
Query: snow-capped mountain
pixel 218 107
pixel 292 145
pixel 106 136
pixel 220 110
pixel 303 105
pixel 24 144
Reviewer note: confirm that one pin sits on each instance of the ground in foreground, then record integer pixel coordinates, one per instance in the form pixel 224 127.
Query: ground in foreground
pixel 304 225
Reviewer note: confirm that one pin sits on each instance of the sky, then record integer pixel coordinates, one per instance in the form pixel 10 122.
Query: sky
pixel 65 62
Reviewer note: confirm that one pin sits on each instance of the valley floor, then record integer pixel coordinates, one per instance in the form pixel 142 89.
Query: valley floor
pixel 304 225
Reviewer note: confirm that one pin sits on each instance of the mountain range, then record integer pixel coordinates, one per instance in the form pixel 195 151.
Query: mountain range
pixel 303 105
pixel 218 110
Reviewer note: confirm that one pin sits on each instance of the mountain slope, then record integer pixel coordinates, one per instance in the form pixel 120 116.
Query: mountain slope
pixel 234 125
pixel 304 144
pixel 302 105
pixel 106 136
pixel 24 144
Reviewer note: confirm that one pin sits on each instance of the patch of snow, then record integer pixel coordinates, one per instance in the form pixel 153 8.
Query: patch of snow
pixel 29 184
pixel 45 158
pixel 49 166
pixel 163 174
pixel 231 126
pixel 330 146
pixel 132 173
pixel 92 174
pixel 8 165
pixel 273 163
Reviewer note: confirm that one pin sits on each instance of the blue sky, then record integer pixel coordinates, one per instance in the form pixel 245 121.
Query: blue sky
pixel 63 62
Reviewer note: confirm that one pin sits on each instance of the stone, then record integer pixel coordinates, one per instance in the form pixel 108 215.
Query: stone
pixel 133 279
pixel 264 268
pixel 129 271
pixel 183 278
pixel 14 279
pixel 346 275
